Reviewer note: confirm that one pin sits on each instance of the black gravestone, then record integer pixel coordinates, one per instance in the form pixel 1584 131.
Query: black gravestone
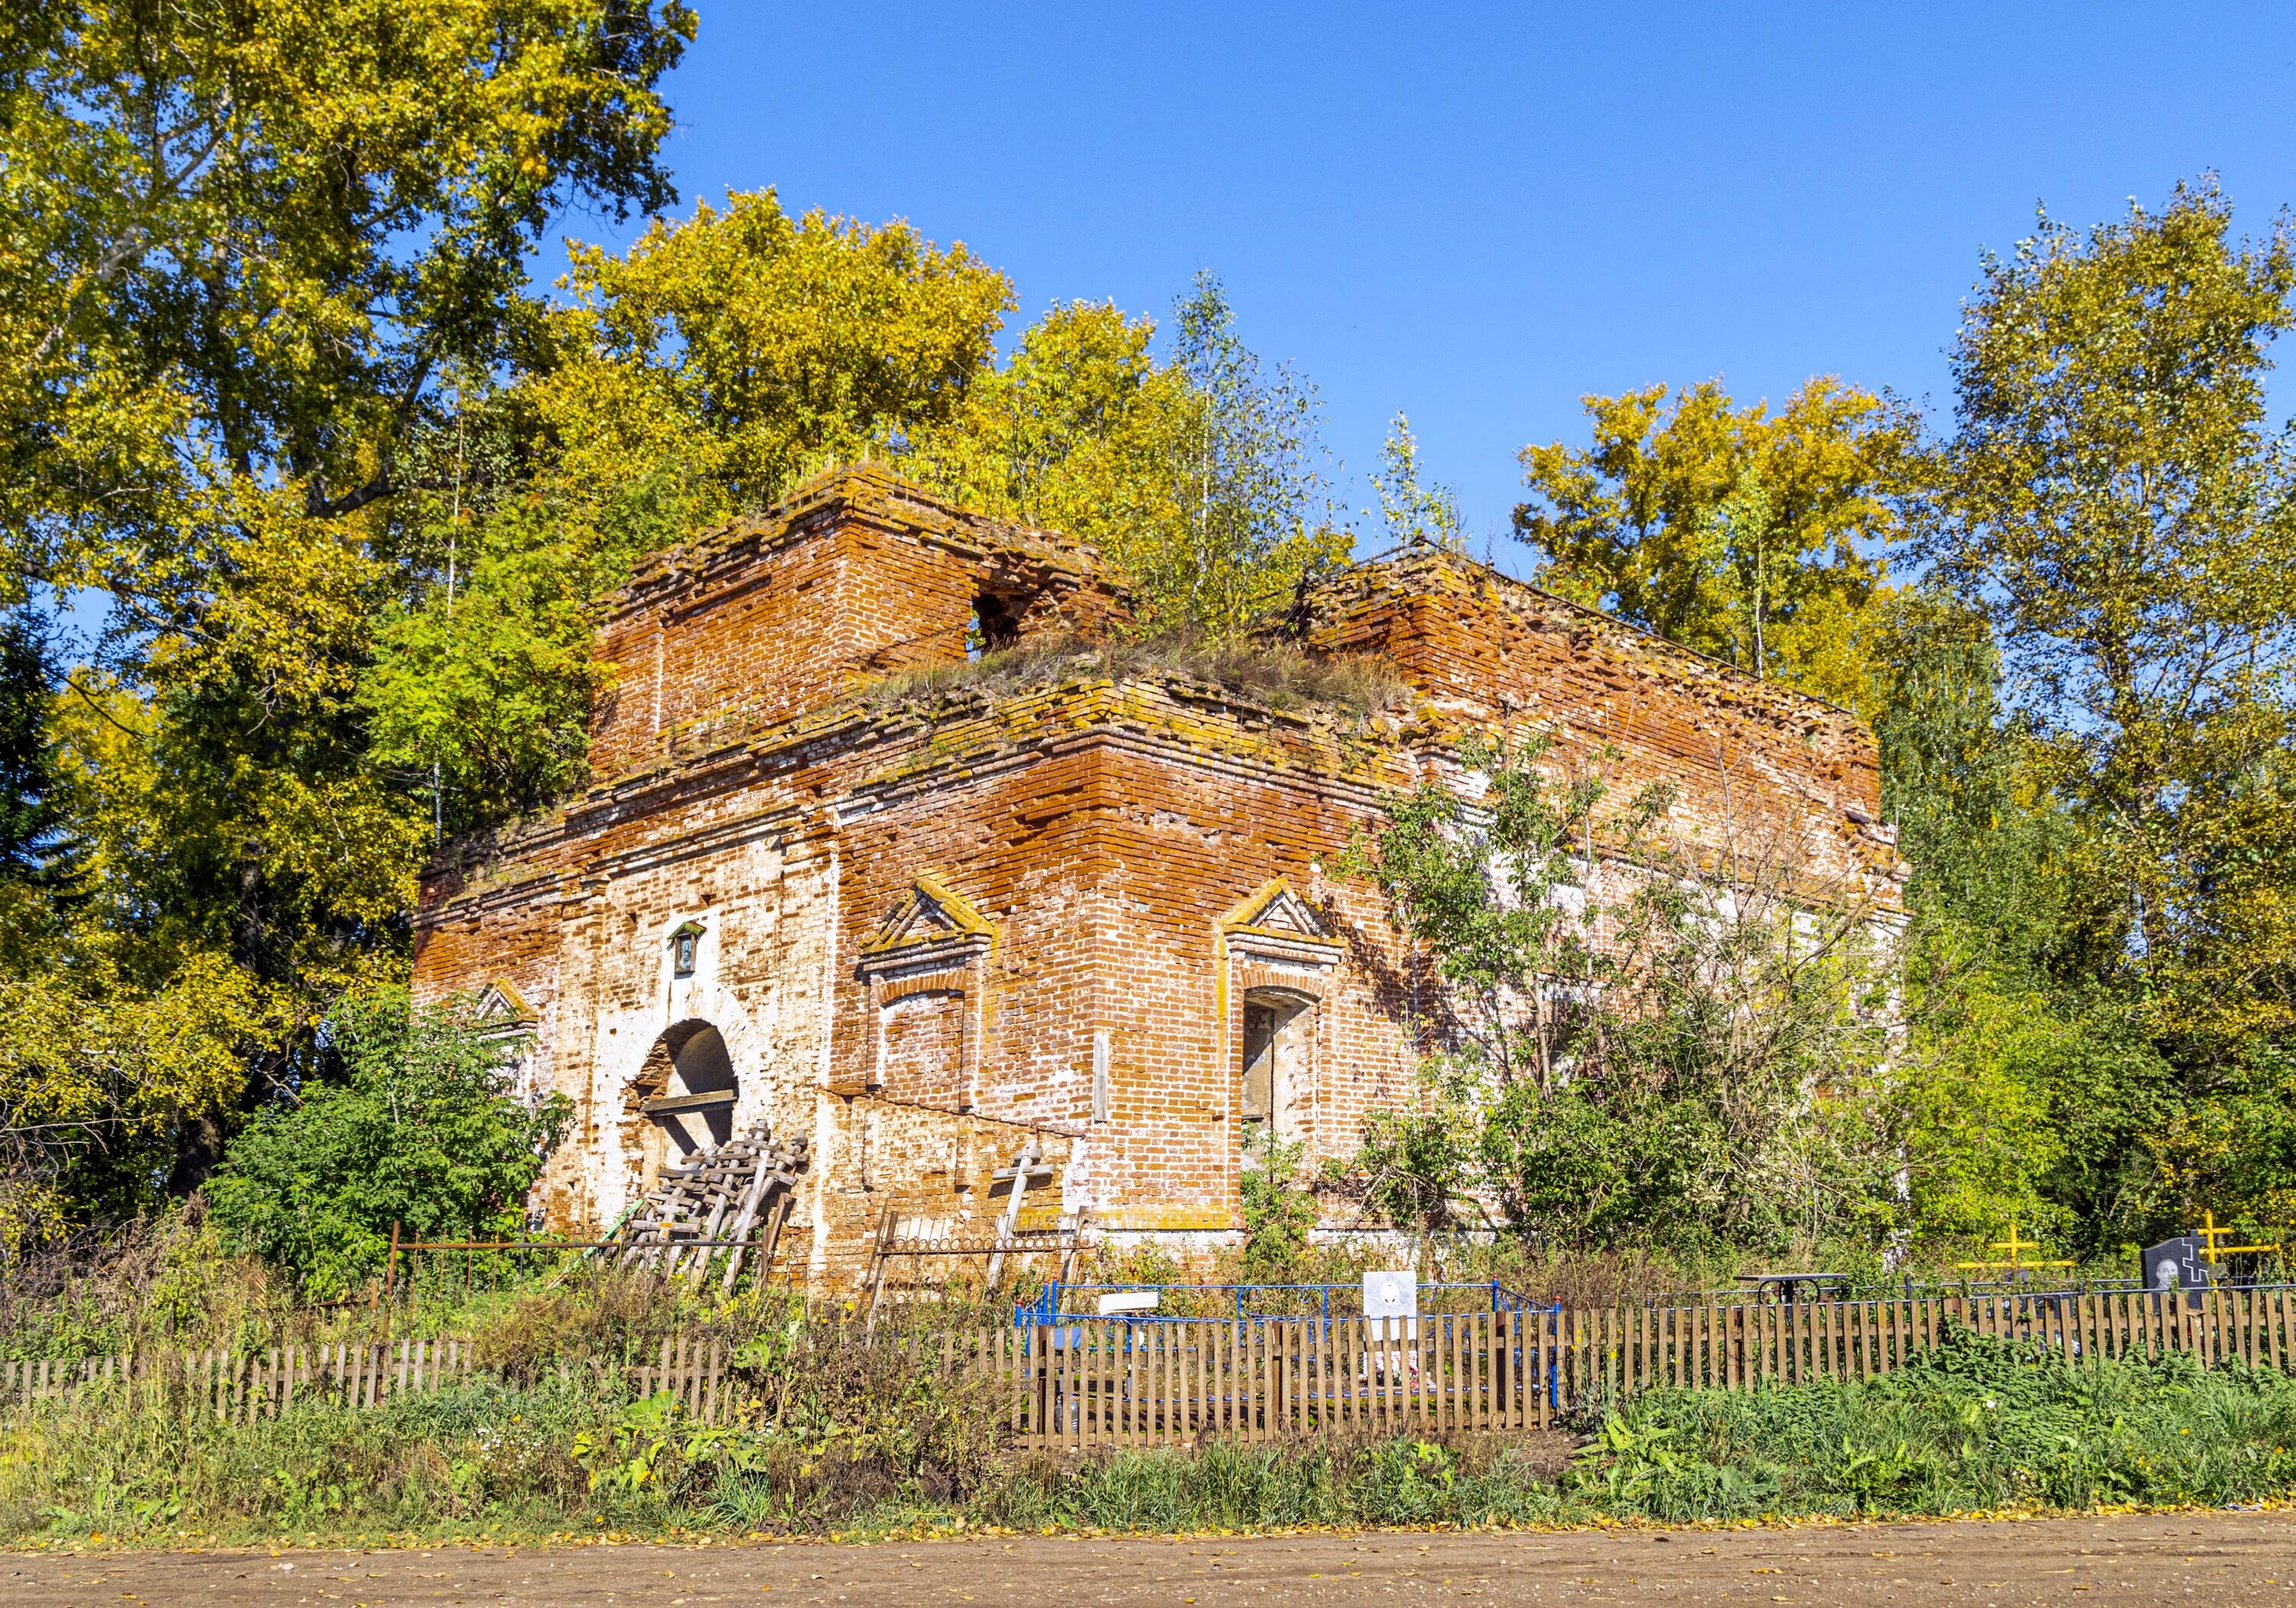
pixel 2176 1264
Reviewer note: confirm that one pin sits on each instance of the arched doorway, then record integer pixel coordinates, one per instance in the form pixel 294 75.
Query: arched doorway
pixel 683 1098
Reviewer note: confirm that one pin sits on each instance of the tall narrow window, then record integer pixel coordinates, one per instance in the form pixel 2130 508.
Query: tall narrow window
pixel 1259 1061
pixel 1276 1032
pixel 1100 1057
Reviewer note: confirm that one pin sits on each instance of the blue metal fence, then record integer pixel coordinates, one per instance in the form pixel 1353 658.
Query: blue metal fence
pixel 1065 1303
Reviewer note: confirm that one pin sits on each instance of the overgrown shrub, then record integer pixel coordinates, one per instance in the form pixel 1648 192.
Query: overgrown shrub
pixel 1977 1424
pixel 423 1133
pixel 464 1456
pixel 150 1281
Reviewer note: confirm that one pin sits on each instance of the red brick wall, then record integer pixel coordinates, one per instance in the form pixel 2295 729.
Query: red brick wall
pixel 1102 829
pixel 922 1059
pixel 1754 764
pixel 755 622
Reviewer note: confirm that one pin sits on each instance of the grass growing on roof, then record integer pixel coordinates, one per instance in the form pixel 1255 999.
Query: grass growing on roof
pixel 1276 674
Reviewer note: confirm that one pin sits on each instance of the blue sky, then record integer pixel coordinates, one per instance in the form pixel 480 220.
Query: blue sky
pixel 1477 214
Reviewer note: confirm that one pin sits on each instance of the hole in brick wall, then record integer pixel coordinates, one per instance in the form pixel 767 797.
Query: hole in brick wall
pixel 995 623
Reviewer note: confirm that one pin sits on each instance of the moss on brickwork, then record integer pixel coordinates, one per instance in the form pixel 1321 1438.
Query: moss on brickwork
pixel 1279 676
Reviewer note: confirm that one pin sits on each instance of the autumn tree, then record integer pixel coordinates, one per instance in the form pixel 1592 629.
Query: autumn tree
pixel 1761 538
pixel 2117 506
pixel 1197 471
pixel 736 350
pixel 244 249
pixel 724 356
pixel 695 376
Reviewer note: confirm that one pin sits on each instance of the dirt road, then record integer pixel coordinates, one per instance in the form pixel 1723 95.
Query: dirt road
pixel 2211 1559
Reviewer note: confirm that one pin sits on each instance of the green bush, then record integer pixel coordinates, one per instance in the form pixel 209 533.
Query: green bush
pixel 1978 1424
pixel 420 1133
pixel 464 1458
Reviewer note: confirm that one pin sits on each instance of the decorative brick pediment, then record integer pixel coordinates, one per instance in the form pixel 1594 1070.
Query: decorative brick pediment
pixel 922 966
pixel 933 927
pixel 1275 908
pixel 1276 924
pixel 502 1008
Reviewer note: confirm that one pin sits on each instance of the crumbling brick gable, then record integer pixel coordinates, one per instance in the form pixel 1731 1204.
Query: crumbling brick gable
pixel 857 575
pixel 1758 762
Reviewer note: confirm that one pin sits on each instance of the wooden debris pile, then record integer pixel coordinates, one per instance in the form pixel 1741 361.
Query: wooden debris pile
pixel 916 1239
pixel 727 1197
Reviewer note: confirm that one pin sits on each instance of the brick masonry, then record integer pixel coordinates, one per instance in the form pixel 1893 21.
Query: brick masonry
pixel 934 921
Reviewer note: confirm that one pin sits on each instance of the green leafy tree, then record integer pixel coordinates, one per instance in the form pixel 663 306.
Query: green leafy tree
pixel 1985 1035
pixel 243 248
pixel 2114 504
pixel 479 692
pixel 1414 515
pixel 1694 1061
pixel 420 1131
pixel 1251 486
pixel 34 836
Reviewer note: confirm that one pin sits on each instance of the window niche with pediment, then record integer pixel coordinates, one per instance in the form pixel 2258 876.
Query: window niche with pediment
pixel 505 1022
pixel 923 968
pixel 1281 956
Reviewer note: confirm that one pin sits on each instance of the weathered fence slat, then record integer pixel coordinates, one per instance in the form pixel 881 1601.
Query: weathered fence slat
pixel 1093 1383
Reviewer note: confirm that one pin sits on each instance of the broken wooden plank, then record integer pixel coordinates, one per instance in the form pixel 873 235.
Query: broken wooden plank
pixel 714 1099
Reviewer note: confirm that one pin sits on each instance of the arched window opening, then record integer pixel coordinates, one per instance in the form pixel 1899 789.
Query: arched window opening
pixel 684 1096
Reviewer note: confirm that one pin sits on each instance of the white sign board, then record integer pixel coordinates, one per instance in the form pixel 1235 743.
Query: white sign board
pixel 1121 1301
pixel 1391 1298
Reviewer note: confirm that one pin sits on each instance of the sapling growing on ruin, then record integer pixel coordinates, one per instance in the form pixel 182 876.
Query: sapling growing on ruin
pixel 1638 1035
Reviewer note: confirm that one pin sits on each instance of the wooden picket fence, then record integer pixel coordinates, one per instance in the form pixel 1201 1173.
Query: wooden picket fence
pixel 236 1386
pixel 1101 1382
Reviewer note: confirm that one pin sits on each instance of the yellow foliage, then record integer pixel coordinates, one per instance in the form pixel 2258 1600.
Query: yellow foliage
pixel 726 355
pixel 1758 538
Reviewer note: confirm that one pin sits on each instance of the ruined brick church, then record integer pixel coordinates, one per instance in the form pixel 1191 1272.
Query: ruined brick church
pixel 833 876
